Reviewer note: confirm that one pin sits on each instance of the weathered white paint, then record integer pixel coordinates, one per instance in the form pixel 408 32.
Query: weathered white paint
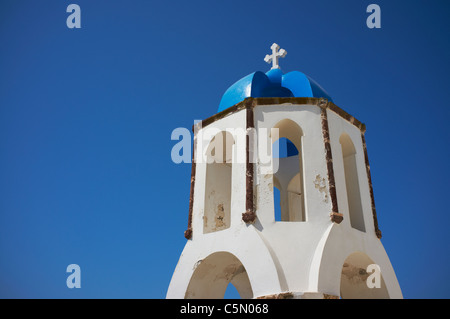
pixel 309 257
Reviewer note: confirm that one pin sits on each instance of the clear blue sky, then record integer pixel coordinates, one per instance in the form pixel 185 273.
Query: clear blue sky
pixel 86 117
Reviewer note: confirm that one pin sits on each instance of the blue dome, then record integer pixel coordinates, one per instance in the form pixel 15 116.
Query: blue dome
pixel 272 84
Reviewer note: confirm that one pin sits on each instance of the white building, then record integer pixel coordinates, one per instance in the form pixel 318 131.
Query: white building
pixel 300 225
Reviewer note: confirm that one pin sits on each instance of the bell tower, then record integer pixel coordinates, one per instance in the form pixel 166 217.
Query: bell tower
pixel 281 202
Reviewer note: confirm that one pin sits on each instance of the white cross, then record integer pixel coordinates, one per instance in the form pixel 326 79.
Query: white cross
pixel 275 56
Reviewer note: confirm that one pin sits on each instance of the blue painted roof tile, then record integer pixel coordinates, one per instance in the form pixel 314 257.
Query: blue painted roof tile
pixel 272 84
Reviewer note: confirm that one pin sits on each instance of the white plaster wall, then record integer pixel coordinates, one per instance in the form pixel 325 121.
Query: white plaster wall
pixel 293 243
pixel 242 242
pixel 343 240
pixel 288 256
pixel 338 244
pixel 238 190
pixel 337 126
pixel 288 176
pixel 217 197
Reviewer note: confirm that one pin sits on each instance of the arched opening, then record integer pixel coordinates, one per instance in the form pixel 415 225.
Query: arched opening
pixel 288 175
pixel 351 182
pixel 277 200
pixel 217 209
pixel 231 292
pixel 361 279
pixel 213 274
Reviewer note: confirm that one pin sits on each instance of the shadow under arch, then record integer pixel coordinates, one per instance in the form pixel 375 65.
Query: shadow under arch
pixel 218 183
pixel 220 148
pixel 213 274
pixel 290 130
pixel 355 208
pixel 288 170
pixel 354 278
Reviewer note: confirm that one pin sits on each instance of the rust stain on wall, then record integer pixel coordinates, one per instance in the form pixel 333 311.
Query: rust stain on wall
pixel 282 295
pixel 372 199
pixel 250 215
pixel 220 214
pixel 320 184
pixel 188 232
pixel 354 274
pixel 335 216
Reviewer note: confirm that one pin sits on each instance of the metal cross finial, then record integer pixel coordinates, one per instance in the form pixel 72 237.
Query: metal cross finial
pixel 275 56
